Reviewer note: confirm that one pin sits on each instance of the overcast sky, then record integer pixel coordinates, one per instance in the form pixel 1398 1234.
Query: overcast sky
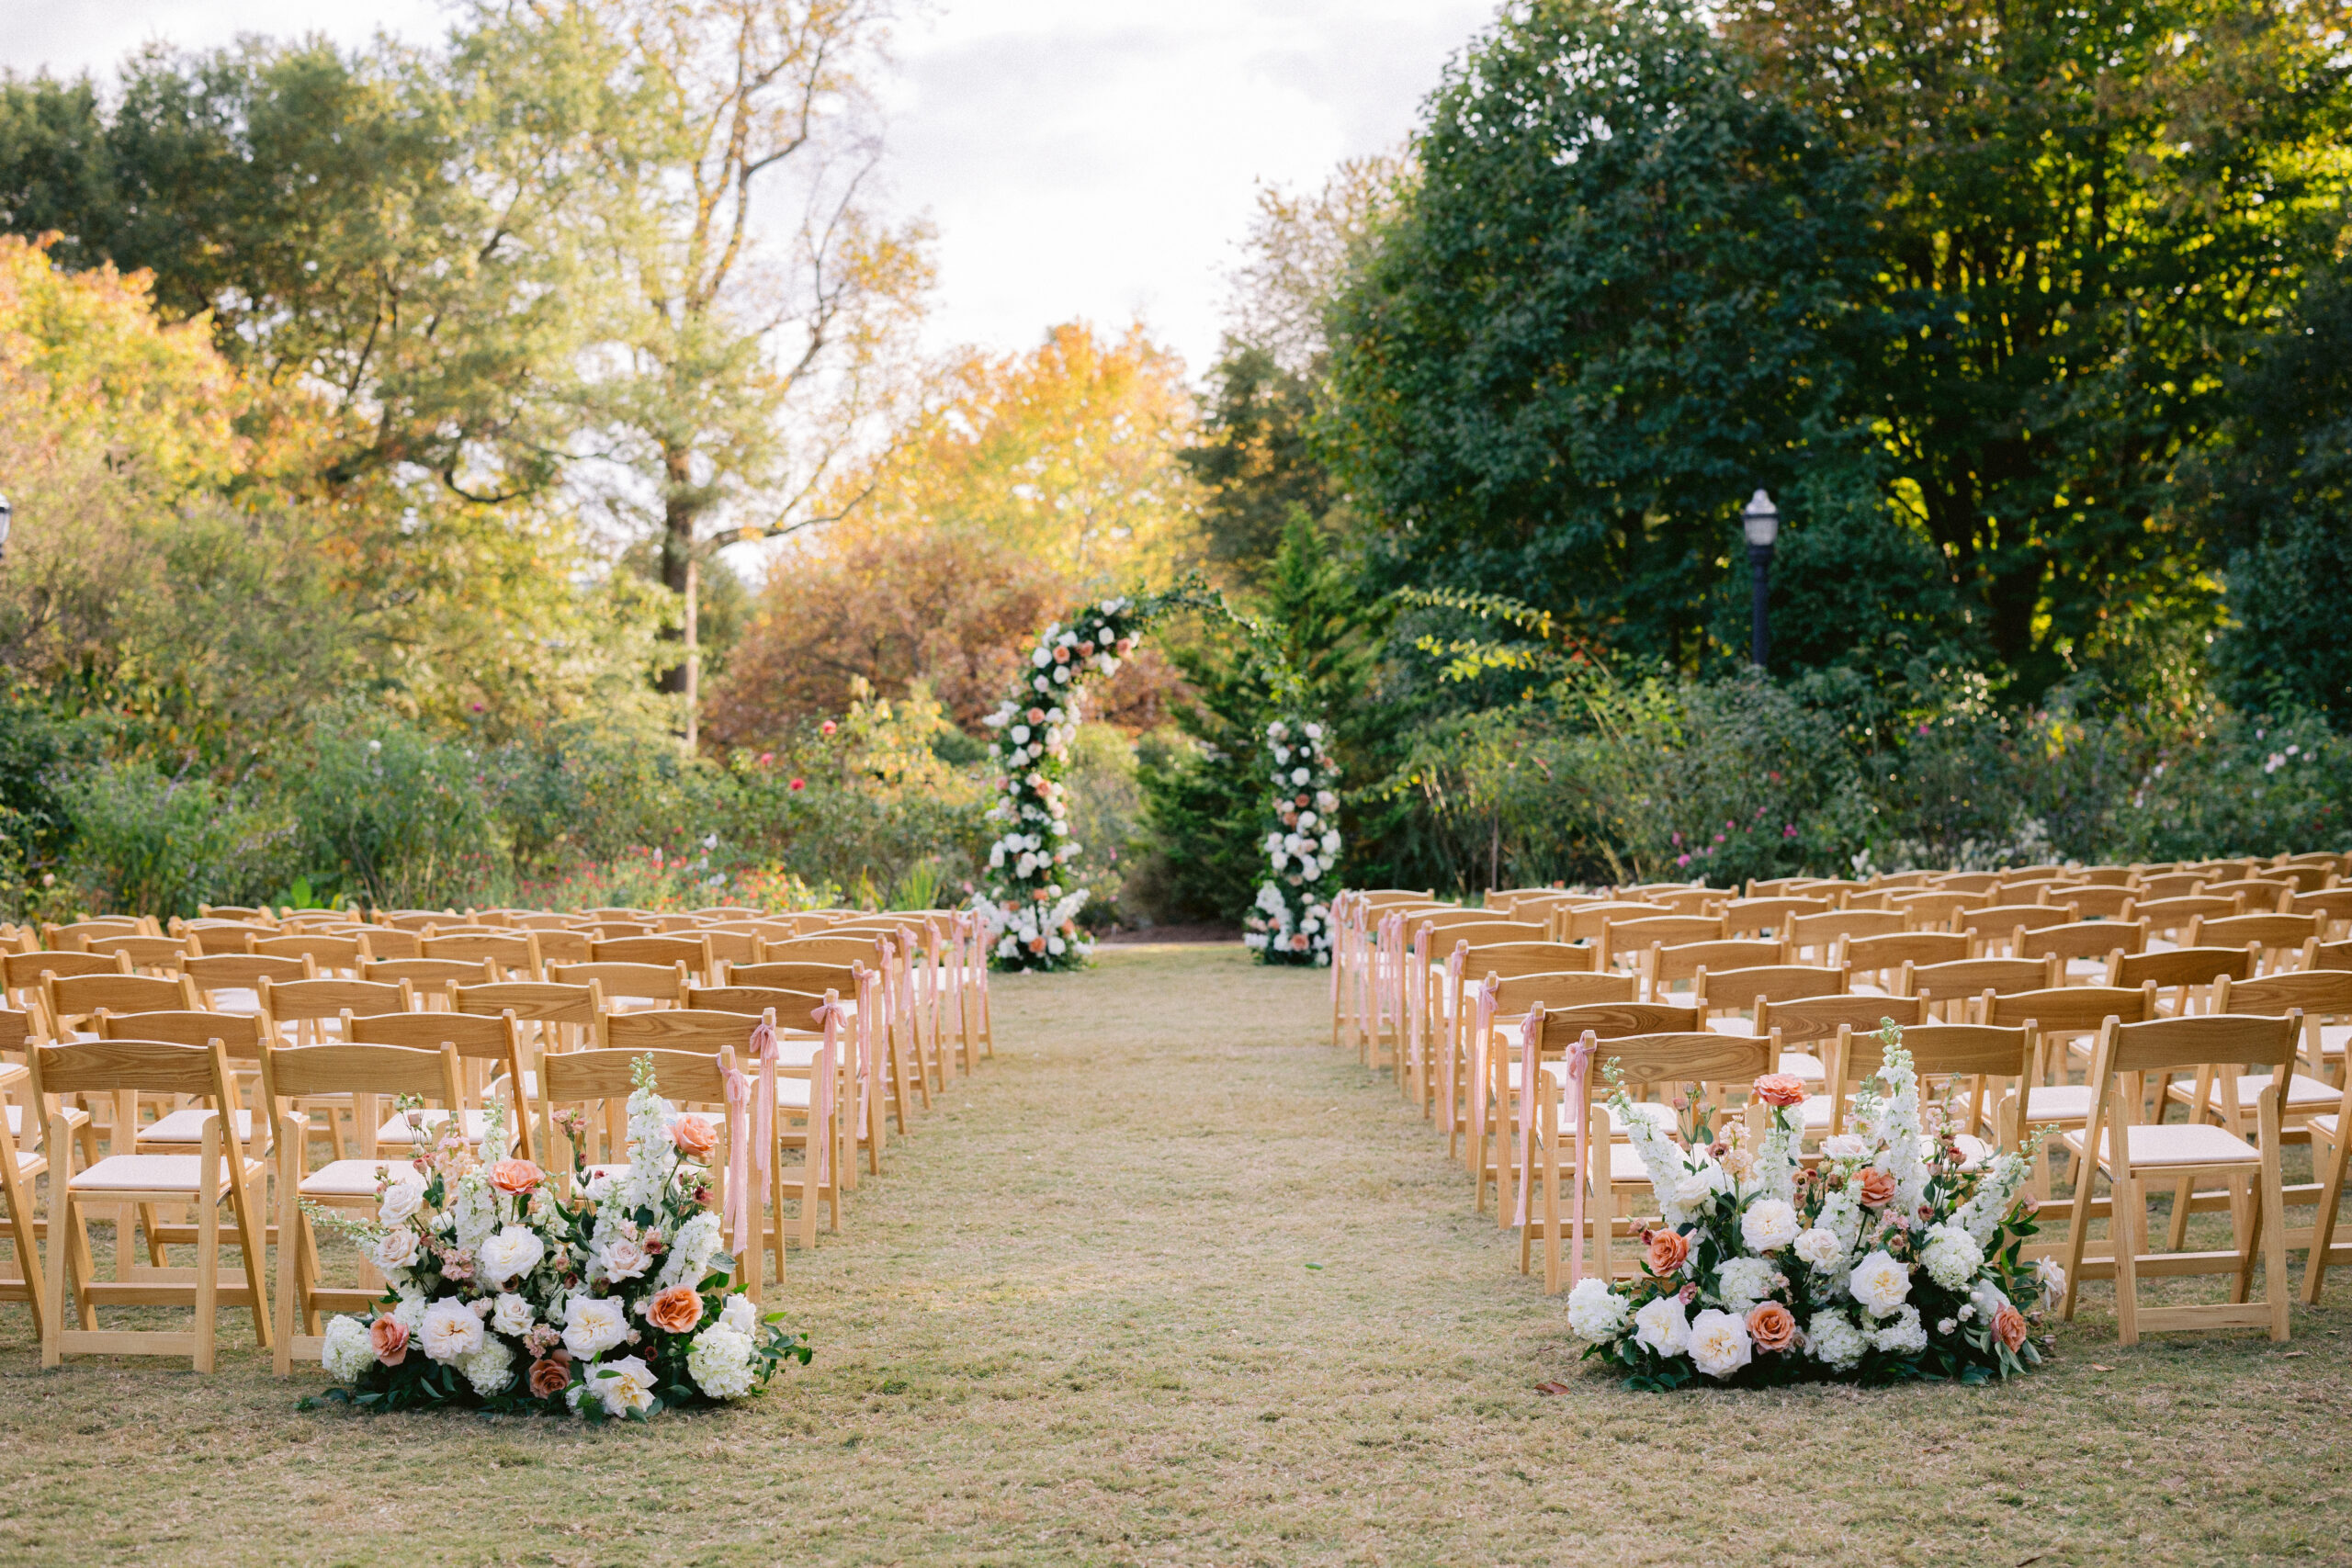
pixel 1089 158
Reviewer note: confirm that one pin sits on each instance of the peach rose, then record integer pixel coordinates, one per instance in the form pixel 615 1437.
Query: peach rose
pixel 1668 1249
pixel 390 1336
pixel 1772 1326
pixel 2008 1326
pixel 551 1373
pixel 1780 1089
pixel 516 1175
pixel 695 1139
pixel 675 1310
pixel 1877 1188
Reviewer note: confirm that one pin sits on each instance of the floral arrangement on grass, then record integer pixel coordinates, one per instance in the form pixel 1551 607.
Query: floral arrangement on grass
pixel 606 1294
pixel 1292 920
pixel 1897 1257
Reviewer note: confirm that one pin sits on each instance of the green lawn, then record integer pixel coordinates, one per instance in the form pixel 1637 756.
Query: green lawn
pixel 1174 1282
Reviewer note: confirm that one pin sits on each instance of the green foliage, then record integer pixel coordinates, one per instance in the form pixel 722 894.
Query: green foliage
pixel 158 845
pixel 399 819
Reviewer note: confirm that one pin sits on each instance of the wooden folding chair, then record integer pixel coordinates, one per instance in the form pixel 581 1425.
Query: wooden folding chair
pixel 433 979
pixel 1955 987
pixel 492 1047
pixel 2281 938
pixel 517 956
pixel 222 1168
pixel 862 1056
pixel 1876 963
pixel 1721 995
pixel 1508 1104
pixel 2085 949
pixel 2129 1155
pixel 1671 973
pixel 338 956
pixel 1988 1063
pixel 148 955
pixel 1759 917
pixel 22 1163
pixel 1819 1022
pixel 230 982
pixel 1814 939
pixel 359 1074
pixel 2183 976
pixel 692 952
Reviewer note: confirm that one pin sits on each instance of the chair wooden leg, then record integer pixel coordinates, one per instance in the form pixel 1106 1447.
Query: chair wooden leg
pixel 2124 1230
pixel 2271 1215
pixel 21 1232
pixel 65 1215
pixel 2331 1199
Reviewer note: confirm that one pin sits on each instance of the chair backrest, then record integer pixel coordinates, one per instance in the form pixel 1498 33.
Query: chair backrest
pixel 2082 938
pixel 1948 1050
pixel 2173 967
pixel 1820 931
pixel 2170 1044
pixel 1874 955
pixel 1801 1019
pixel 696 1077
pixel 797 976
pixel 679 1029
pixel 1476 932
pixel 2170 884
pixel 533 1001
pixel 1937 907
pixel 315 1000
pixel 2271 932
pixel 302 1072
pixel 144 951
pixel 416 920
pixel 235 912
pixel 2327 955
pixel 822 950
pixel 2265 894
pixel 214 937
pixel 517 952
pixel 2000 922
pixel 2070 1010
pixel 2101 903
pixel 1682 899
pixel 2165 915
pixel 1514 993
pixel 1973 976
pixel 693 952
pixel 245 971
pixel 431 976
pixel 1966 881
pixel 563 946
pixel 472 1035
pixel 2318 993
pixel 326 952
pixel 792 1008
pixel 1661 964
pixel 74 937
pixel 79 996
pixel 24 970
pixel 1745 915
pixel 640 982
pixel 614 912
pixel 1585 922
pixel 1511 958
pixel 2333 903
pixel 1642 932
pixel 1736 989
pixel 243 1034
pixel 147 1066
pixel 1642 1061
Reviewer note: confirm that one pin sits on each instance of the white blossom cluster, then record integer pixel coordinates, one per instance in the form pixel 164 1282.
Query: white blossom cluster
pixel 1292 920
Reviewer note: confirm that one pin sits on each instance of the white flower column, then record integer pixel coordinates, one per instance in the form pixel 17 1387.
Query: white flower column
pixel 1291 921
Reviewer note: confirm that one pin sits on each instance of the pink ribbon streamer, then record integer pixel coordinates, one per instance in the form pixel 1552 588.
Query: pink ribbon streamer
pixel 1482 1045
pixel 763 1050
pixel 1453 998
pixel 1579 1065
pixel 821 1092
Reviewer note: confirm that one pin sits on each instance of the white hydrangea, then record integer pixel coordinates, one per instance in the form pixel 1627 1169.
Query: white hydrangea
pixel 1768 1225
pixel 1744 1282
pixel 1595 1312
pixel 1661 1326
pixel 1951 1256
pixel 1879 1283
pixel 1833 1340
pixel 739 1315
pixel 1719 1343
pixel 491 1368
pixel 1903 1334
pixel 410 1312
pixel 1820 1248
pixel 719 1360
pixel 348 1351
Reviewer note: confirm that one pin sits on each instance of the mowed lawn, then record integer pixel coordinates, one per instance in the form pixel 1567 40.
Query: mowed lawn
pixel 1174 1282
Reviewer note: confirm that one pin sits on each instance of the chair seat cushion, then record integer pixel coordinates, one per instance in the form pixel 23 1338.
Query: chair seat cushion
pixel 2303 1093
pixel 1798 1063
pixel 153 1173
pixel 1732 1025
pixel 2334 1037
pixel 2324 1125
pixel 349 1178
pixel 1816 1111
pixel 2174 1144
pixel 75 1118
pixel 186 1125
pixel 2057 1102
pixel 397 1131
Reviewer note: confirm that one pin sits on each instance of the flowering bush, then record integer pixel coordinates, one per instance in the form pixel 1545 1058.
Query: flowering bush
pixel 1897 1257
pixel 607 1293
pixel 1292 921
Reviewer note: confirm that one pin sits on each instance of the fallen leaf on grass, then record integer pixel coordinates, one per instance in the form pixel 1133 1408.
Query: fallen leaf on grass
pixel 1549 1388
pixel 2290 1354
pixel 2097 1367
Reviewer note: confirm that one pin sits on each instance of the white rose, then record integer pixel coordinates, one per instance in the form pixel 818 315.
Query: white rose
pixel 623 1257
pixel 348 1351
pixel 739 1315
pixel 1845 1146
pixel 1694 1188
pixel 1661 1327
pixel 515 1250
pixel 594 1324
pixel 1768 1225
pixel 403 1198
pixel 1719 1343
pixel 599 1186
pixel 623 1385
pixel 1879 1283
pixel 1595 1312
pixel 512 1315
pixel 1299 776
pixel 394 1250
pixel 1820 1248
pixel 452 1332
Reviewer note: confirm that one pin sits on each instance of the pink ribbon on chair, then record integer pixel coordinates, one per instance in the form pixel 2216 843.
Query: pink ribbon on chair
pixel 1455 1000
pixel 1579 1064
pixel 764 1049
pixel 1482 1045
pixel 821 1075
pixel 741 1202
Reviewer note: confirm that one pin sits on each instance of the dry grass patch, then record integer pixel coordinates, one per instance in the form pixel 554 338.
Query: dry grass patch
pixel 1174 1282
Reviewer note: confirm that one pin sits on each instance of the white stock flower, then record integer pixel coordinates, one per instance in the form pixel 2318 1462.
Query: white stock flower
pixel 452 1332
pixel 1833 1340
pixel 1719 1344
pixel 719 1360
pixel 1744 1282
pixel 623 1385
pixel 348 1351
pixel 512 1315
pixel 1660 1326
pixel 404 1198
pixel 1903 1334
pixel 1951 1256
pixel 515 1250
pixel 1820 1248
pixel 594 1324
pixel 395 1251
pixel 1595 1312
pixel 1768 1225
pixel 1879 1283
pixel 491 1368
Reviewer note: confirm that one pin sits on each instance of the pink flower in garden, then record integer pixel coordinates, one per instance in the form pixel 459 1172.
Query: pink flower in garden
pixel 827 727
pixel 766 757
pixel 1790 831
pixel 798 785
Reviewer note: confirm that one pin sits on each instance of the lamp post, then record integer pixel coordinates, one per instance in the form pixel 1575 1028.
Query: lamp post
pixel 4 527
pixel 1761 520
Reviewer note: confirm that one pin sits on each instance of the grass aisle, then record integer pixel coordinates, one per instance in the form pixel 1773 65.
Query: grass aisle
pixel 1174 1282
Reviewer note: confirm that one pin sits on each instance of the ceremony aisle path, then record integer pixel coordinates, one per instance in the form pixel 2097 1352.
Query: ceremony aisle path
pixel 1174 1282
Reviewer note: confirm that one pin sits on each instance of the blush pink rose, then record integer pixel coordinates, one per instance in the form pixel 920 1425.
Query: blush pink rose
pixel 390 1336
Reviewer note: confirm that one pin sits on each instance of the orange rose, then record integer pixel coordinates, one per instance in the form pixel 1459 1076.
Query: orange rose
pixel 551 1373
pixel 1877 1188
pixel 390 1336
pixel 675 1310
pixel 1780 1089
pixel 1772 1326
pixel 695 1139
pixel 1668 1249
pixel 516 1175
pixel 2008 1326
